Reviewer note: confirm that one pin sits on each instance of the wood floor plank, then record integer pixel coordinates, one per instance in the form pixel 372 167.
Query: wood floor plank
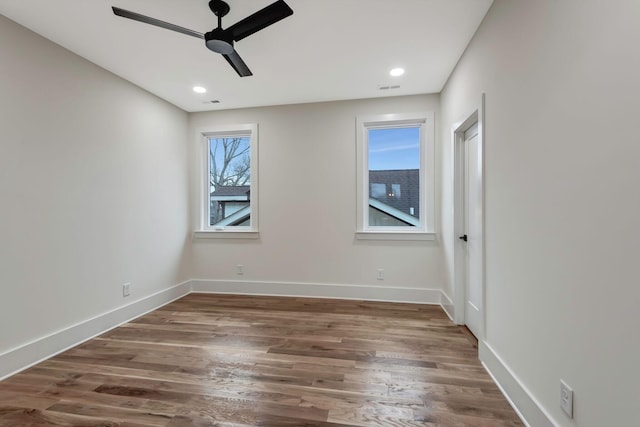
pixel 240 361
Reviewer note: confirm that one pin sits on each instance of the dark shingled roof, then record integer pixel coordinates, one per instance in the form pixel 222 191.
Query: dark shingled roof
pixel 231 190
pixel 409 182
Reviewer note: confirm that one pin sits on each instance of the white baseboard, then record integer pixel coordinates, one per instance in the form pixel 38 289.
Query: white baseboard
pixel 319 290
pixel 29 354
pixel 520 398
pixel 448 306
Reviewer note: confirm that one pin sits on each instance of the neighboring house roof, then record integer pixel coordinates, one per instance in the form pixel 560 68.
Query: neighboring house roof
pixel 231 193
pixel 236 218
pixel 396 213
pixel 407 182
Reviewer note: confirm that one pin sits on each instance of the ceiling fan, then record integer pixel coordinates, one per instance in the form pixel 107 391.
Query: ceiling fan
pixel 221 40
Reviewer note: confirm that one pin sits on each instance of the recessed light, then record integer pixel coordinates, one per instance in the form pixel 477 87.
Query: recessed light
pixel 199 89
pixel 397 72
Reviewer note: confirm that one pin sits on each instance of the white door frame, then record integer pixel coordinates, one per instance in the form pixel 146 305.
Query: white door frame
pixel 459 258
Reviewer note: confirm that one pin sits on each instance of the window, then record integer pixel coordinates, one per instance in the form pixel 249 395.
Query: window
pixel 230 190
pixel 396 176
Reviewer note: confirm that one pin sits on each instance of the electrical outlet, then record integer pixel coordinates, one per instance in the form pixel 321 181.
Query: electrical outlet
pixel 380 274
pixel 239 269
pixel 566 399
pixel 126 289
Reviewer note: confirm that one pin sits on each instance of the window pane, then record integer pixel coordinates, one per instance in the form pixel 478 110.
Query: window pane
pixel 396 190
pixel 394 176
pixel 229 181
pixel 378 190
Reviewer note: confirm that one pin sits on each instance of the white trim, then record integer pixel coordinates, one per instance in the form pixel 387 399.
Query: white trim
pixel 38 350
pixel 31 353
pixel 394 235
pixel 425 120
pixel 448 306
pixel 519 397
pixel 20 358
pixel 319 290
pixel 202 135
pixel 459 270
pixel 226 234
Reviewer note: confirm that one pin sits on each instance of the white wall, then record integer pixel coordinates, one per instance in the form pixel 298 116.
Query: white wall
pixel 562 197
pixel 84 208
pixel 307 202
pixel 93 189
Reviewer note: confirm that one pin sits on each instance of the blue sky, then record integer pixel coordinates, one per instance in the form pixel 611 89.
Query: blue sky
pixel 394 148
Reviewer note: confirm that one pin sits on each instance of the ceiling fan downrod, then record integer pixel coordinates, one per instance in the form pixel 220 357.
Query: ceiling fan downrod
pixel 217 40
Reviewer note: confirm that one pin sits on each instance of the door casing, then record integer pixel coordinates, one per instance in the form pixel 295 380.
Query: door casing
pixel 460 265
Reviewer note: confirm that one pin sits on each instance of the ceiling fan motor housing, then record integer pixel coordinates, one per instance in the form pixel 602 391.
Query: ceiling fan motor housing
pixel 219 41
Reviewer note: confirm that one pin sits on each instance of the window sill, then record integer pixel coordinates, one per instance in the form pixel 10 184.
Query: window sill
pixel 225 234
pixel 393 235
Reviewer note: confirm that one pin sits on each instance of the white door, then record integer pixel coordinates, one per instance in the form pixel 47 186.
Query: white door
pixel 473 231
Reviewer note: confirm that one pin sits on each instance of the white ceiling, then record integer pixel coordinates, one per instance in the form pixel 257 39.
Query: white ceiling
pixel 327 50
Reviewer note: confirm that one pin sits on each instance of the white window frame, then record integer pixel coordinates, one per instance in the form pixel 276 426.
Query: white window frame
pixel 236 232
pixel 426 229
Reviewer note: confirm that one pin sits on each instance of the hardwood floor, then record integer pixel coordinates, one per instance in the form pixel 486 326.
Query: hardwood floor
pixel 221 360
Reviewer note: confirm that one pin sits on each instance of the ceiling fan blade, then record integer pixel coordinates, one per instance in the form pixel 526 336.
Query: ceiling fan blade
pixel 259 20
pixel 238 64
pixel 158 23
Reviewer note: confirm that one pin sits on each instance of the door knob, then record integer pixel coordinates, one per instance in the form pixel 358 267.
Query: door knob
pixel 463 237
